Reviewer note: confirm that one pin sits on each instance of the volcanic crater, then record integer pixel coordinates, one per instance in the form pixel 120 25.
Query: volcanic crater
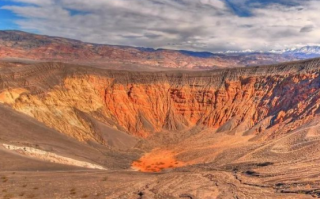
pixel 224 133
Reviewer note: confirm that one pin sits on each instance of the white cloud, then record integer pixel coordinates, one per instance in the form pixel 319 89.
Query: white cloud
pixel 36 2
pixel 185 24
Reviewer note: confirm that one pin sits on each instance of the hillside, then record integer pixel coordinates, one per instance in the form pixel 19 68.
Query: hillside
pixel 16 45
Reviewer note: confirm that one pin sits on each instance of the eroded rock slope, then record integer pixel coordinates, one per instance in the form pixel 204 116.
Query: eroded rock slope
pixel 267 101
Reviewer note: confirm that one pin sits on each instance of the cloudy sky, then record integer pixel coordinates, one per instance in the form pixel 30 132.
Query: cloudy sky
pixel 201 25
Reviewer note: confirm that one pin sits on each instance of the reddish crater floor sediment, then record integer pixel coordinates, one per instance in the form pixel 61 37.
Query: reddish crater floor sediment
pixel 156 161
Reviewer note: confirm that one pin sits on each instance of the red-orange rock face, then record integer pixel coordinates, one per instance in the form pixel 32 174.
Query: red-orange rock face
pixel 238 104
pixel 142 104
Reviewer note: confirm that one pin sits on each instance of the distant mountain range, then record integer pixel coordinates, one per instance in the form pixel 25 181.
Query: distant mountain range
pixel 26 46
pixel 303 52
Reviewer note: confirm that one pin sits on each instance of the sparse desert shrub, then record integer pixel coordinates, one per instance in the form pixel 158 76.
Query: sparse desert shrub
pixel 31 195
pixel 105 179
pixel 8 196
pixel 73 191
pixel 84 196
pixel 4 179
